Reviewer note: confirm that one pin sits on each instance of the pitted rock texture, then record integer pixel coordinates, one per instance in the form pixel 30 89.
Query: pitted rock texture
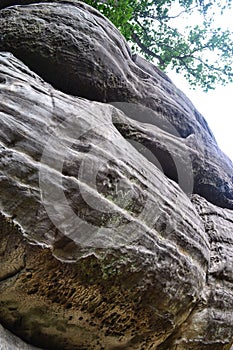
pixel 103 244
pixel 151 245
pixel 92 304
pixel 213 319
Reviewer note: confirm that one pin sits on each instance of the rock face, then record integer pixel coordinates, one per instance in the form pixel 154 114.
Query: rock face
pixel 116 202
pixel 77 50
pixel 9 341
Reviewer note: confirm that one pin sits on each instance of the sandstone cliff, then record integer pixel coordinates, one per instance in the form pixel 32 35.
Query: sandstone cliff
pixel 116 202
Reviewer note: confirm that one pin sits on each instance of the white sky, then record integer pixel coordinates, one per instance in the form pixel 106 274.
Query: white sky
pixel 216 105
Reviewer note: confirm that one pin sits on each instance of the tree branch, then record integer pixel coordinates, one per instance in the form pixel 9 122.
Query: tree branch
pixel 145 49
pixel 162 18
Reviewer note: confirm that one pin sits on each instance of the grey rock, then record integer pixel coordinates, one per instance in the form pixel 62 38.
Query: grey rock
pixel 64 166
pixel 11 342
pixel 78 51
pixel 107 241
pixel 69 43
pixel 210 324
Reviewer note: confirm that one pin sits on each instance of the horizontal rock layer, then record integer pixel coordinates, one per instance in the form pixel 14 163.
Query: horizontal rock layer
pixel 76 49
pixel 210 324
pixel 107 241
pixel 65 166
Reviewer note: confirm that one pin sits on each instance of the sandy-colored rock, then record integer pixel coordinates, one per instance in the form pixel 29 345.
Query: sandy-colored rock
pixel 210 325
pixel 150 245
pixel 106 239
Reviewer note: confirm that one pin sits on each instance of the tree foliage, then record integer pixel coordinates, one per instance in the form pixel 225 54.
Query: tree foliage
pixel 201 52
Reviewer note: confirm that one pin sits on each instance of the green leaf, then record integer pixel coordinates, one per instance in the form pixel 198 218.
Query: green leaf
pixel 202 53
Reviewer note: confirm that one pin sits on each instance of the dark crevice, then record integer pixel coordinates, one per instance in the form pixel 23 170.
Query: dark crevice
pixel 165 160
pixel 158 156
pixel 2 80
pixel 12 273
pixel 59 75
pixel 213 194
pixel 146 115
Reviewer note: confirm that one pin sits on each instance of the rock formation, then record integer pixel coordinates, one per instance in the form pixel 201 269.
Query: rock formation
pixel 9 341
pixel 116 202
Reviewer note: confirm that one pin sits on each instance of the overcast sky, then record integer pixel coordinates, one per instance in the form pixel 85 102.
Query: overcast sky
pixel 216 106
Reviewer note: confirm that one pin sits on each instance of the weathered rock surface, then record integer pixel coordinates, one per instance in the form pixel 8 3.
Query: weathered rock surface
pixel 102 244
pixel 76 49
pixel 10 342
pixel 213 319
pixel 140 244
